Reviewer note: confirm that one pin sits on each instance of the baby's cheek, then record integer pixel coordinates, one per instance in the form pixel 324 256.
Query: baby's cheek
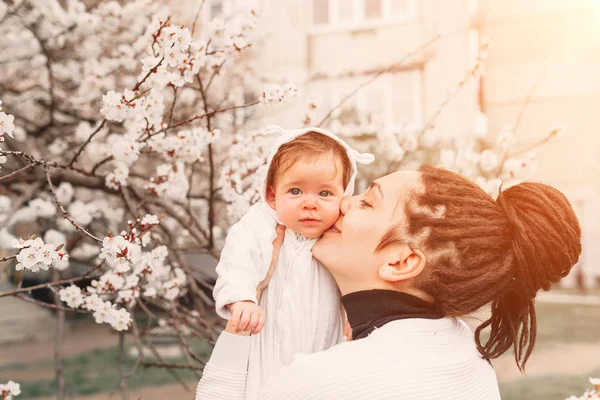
pixel 333 211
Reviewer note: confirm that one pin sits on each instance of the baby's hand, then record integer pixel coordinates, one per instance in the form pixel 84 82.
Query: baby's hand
pixel 246 316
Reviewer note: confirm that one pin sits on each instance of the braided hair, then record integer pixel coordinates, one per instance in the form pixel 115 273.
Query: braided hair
pixel 481 251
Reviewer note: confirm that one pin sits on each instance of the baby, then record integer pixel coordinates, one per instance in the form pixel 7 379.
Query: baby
pixel 309 172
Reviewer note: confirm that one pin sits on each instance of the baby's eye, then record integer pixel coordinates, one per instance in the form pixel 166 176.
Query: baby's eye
pixel 295 191
pixel 325 193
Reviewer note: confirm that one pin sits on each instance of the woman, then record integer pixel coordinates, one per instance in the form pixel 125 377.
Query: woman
pixel 411 254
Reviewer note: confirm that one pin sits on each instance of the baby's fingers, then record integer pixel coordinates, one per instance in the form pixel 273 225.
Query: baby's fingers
pixel 260 325
pixel 253 321
pixel 244 321
pixel 235 318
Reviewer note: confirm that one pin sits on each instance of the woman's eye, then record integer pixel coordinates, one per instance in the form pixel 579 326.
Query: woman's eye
pixel 295 191
pixel 365 204
pixel 325 193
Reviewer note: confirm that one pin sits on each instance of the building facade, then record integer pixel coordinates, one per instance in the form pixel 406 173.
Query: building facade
pixel 541 71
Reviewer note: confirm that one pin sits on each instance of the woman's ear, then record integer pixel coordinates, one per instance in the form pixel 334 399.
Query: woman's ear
pixel 402 264
pixel 271 197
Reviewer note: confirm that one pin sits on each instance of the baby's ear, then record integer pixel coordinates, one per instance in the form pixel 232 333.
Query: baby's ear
pixel 271 197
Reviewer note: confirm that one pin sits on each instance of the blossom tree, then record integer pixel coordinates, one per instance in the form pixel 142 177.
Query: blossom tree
pixel 121 139
pixel 128 146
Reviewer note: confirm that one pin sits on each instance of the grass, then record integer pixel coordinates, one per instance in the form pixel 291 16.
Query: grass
pixel 567 323
pixel 549 387
pixel 558 325
pixel 97 371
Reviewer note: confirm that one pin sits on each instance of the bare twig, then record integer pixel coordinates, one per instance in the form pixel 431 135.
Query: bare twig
pixel 49 285
pixel 207 114
pixel 211 182
pixel 123 382
pixel 525 105
pixel 59 333
pixel 7 258
pixel 99 163
pixel 169 365
pixel 535 145
pixel 377 75
pixel 89 139
pixel 196 18
pixel 65 214
pixel 470 74
pixel 25 168
pixel 152 71
pixel 52 306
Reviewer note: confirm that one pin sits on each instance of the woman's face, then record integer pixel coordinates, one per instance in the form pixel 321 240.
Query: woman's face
pixel 350 253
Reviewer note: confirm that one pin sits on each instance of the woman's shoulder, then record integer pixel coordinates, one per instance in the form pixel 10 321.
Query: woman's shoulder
pixel 392 361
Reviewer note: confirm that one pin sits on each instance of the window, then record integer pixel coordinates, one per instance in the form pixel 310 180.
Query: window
pixel 393 100
pixel 399 7
pixel 346 11
pixel 358 13
pixel 405 89
pixel 320 12
pixel 216 9
pixel 372 9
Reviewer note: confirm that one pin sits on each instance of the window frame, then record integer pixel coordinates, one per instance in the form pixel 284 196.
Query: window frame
pixel 337 89
pixel 359 21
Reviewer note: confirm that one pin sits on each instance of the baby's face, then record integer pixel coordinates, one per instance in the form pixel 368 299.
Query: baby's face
pixel 307 196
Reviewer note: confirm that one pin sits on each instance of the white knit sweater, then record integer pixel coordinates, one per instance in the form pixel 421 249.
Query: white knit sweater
pixel 408 359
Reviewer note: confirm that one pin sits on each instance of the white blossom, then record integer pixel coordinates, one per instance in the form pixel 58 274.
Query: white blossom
pixel 170 182
pixel 71 295
pixel 273 93
pixel 506 138
pixel 489 160
pixel 150 219
pixel 124 148
pixel 82 213
pixel 92 302
pixel 9 390
pixel 6 124
pixel 42 208
pixel 119 253
pixel 481 125
pixel 5 204
pixel 35 255
pixel 64 193
pixel 54 237
pixel 113 106
pixel 118 177
pixel 447 157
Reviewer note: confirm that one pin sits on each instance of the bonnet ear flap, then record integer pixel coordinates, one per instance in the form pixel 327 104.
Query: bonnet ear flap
pixel 274 130
pixel 364 158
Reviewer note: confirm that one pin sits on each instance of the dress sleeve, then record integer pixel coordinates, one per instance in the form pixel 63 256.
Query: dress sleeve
pixel 239 270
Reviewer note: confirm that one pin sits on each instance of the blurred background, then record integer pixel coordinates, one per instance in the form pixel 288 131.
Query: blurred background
pixel 453 72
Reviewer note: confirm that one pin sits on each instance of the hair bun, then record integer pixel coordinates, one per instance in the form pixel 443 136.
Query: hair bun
pixel 546 236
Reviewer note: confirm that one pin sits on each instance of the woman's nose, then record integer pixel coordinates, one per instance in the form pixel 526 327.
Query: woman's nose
pixel 345 205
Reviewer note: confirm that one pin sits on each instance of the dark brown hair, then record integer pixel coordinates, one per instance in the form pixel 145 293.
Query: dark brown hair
pixel 308 146
pixel 480 251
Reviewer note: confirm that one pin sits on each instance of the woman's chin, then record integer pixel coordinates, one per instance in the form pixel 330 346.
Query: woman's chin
pixel 325 246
